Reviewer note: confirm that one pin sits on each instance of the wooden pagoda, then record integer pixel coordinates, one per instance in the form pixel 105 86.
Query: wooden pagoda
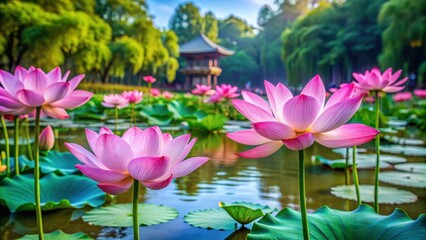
pixel 202 66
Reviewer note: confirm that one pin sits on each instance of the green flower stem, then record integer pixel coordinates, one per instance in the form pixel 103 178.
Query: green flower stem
pixel 377 170
pixel 303 195
pixel 16 143
pixel 149 92
pixel 347 167
pixel 355 175
pixel 116 119
pixel 135 210
pixel 37 175
pixel 6 139
pixel 133 117
pixel 28 138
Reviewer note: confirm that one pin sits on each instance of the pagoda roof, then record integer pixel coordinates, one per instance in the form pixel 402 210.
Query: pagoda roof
pixel 202 45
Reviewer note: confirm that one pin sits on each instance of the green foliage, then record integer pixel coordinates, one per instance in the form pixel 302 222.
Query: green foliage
pixel 208 123
pixel 239 67
pixel 58 235
pixel 228 215
pixel 186 22
pixel 387 195
pixel 120 215
pixel 211 29
pixel 62 163
pixel 404 35
pixel 126 53
pixel 326 223
pixel 56 192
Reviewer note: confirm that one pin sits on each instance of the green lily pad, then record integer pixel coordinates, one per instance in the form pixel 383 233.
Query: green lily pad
pixel 56 192
pixel 404 150
pixel 181 111
pixel 212 218
pixel 55 161
pixel 58 235
pixel 387 195
pixel 342 151
pixel 412 167
pixel 120 215
pixel 404 179
pixel 404 141
pixel 331 224
pixel 208 124
pixel 362 163
pixel 228 215
pixel 245 212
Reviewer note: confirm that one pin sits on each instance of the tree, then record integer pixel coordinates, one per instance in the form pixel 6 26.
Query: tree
pixel 211 29
pixel 186 22
pixel 232 30
pixel 265 14
pixel 238 68
pixel 404 36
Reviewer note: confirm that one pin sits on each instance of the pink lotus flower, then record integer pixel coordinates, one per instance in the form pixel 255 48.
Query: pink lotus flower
pixel 28 89
pixel 155 92
pixel 46 139
pixel 420 93
pixel 115 101
pixel 227 91
pixel 402 97
pixel 148 155
pixel 134 96
pixel 298 121
pixel 167 95
pixel 149 79
pixel 369 99
pixel 374 80
pixel 215 98
pixel 203 90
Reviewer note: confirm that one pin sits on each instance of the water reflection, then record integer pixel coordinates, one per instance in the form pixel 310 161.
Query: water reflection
pixel 272 181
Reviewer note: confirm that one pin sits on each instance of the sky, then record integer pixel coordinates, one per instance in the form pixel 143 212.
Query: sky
pixel 162 10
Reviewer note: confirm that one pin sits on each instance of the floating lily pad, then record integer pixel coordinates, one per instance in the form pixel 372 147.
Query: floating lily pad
pixel 404 179
pixel 228 215
pixel 387 195
pixel 412 167
pixel 397 123
pixel 56 192
pixel 209 123
pixel 403 141
pixel 55 161
pixel 212 218
pixel 327 223
pixel 342 151
pixel 405 150
pixel 120 215
pixel 362 163
pixel 181 111
pixel 58 235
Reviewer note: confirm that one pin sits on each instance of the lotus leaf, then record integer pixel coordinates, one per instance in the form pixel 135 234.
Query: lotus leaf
pixel 228 215
pixel 386 194
pixel 326 223
pixel 404 179
pixel 120 215
pixel 55 161
pixel 412 167
pixel 58 235
pixel 69 191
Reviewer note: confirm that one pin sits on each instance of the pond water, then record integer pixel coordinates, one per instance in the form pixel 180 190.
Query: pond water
pixel 226 177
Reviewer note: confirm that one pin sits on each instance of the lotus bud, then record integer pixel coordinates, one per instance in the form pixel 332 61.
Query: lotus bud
pixel 47 139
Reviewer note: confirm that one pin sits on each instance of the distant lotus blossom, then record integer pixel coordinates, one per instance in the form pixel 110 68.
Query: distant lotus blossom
pixel 369 99
pixel 155 92
pixel 215 98
pixel 227 91
pixel 134 96
pixel 203 90
pixel 374 80
pixel 167 95
pixel 420 93
pixel 47 139
pixel 149 79
pixel 298 121
pixel 115 101
pixel 402 97
pixel 28 89
pixel 148 155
